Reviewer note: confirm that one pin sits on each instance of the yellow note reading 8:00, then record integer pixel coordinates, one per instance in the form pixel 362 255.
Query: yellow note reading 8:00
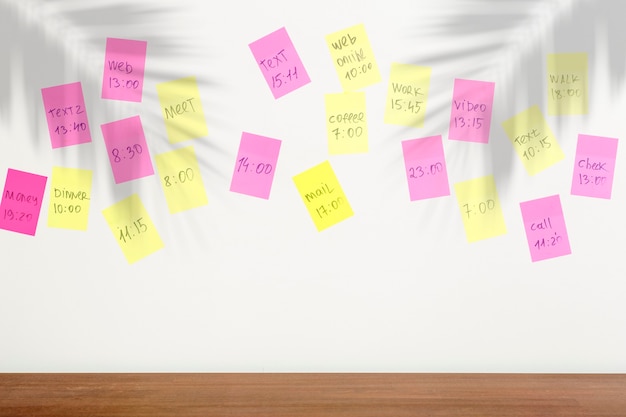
pixel 179 173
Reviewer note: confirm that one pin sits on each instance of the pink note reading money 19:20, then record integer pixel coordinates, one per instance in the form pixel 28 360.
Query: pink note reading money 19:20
pixel 124 65
pixel 21 201
pixel 279 63
pixel 66 114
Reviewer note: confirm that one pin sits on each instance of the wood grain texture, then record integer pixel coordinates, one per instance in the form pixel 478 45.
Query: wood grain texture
pixel 328 395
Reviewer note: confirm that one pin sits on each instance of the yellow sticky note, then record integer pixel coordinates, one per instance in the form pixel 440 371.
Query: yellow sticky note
pixel 533 140
pixel 567 83
pixel 132 228
pixel 346 122
pixel 353 57
pixel 480 208
pixel 179 173
pixel 70 197
pixel 407 94
pixel 322 195
pixel 182 109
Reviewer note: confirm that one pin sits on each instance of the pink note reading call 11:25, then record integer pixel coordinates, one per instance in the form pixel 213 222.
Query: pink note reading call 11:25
pixel 545 228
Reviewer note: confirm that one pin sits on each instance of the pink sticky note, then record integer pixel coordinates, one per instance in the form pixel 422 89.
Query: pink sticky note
pixel 425 165
pixel 124 65
pixel 594 166
pixel 545 228
pixel 66 114
pixel 127 149
pixel 472 105
pixel 255 165
pixel 21 201
pixel 279 63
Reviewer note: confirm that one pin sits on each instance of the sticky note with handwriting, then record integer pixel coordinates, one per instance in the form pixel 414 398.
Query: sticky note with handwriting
pixel 21 201
pixel 407 95
pixel 425 166
pixel 480 208
pixel 70 198
pixel 132 228
pixel 346 122
pixel 124 66
pixel 567 83
pixel 472 105
pixel 127 149
pixel 322 195
pixel 279 63
pixel 533 140
pixel 352 54
pixel 182 109
pixel 66 114
pixel 255 165
pixel 179 173
pixel 545 228
pixel 594 166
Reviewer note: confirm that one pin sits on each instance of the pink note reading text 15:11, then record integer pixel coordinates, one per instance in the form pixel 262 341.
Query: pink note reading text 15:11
pixel 124 65
pixel 279 63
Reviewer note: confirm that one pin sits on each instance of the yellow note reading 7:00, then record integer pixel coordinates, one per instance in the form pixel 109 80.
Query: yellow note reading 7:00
pixel 322 195
pixel 182 109
pixel 180 178
pixel 480 208
pixel 132 228
pixel 70 196
pixel 533 140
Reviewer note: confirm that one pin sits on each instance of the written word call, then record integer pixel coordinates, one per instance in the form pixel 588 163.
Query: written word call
pixel 546 241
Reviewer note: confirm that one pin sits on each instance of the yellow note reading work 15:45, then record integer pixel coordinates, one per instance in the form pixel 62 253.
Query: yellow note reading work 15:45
pixel 182 109
pixel 132 228
pixel 533 140
pixel 407 94
pixel 480 208
pixel 322 195
pixel 70 196
pixel 179 173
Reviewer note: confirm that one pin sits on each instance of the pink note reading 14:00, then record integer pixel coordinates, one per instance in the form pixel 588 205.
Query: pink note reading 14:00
pixel 21 201
pixel 594 166
pixel 545 228
pixel 66 114
pixel 255 165
pixel 124 65
pixel 425 165
pixel 127 149
pixel 472 105
pixel 279 63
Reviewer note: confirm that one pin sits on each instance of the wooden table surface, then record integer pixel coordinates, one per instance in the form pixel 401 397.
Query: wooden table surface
pixel 328 395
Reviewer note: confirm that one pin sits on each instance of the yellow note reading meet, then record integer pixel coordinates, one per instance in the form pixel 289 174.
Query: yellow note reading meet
pixel 567 83
pixel 180 178
pixel 322 195
pixel 132 228
pixel 70 195
pixel 353 57
pixel 182 109
pixel 346 123
pixel 533 140
pixel 407 94
pixel 480 208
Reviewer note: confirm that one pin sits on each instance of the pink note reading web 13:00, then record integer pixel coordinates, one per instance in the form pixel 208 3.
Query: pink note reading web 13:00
pixel 279 63
pixel 66 114
pixel 21 201
pixel 124 65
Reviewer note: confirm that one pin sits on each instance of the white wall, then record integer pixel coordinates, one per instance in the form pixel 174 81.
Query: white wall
pixel 246 284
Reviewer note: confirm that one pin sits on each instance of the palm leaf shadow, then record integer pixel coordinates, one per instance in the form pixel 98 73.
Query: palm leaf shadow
pixel 512 39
